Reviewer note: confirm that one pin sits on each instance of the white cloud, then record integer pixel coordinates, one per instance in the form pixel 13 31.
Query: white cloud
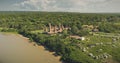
pixel 35 4
pixel 58 5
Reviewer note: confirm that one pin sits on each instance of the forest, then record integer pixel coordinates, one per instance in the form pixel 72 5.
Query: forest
pixel 101 32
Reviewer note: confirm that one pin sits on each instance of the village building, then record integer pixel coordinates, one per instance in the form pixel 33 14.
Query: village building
pixel 91 28
pixel 58 29
pixel 55 29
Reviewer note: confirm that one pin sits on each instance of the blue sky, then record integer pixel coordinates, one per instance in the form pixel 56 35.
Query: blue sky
pixel 61 5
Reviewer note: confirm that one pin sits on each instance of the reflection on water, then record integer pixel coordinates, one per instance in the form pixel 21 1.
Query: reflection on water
pixel 16 49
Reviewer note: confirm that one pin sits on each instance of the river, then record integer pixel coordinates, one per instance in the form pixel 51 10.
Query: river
pixel 15 48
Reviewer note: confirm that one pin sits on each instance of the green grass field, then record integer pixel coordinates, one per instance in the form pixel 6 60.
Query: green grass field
pixel 101 45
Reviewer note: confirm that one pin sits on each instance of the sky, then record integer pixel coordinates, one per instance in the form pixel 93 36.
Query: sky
pixel 61 5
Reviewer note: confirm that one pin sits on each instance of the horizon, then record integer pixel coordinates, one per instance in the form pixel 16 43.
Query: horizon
pixel 68 12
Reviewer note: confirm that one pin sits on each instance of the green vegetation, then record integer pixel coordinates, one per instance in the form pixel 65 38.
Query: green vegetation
pixel 101 32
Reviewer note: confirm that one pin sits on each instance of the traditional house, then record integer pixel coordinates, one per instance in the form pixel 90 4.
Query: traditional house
pixel 55 29
pixel 91 28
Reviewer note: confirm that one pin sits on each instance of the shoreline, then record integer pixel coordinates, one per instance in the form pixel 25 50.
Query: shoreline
pixel 41 47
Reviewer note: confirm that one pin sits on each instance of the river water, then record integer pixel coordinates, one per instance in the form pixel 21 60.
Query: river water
pixel 16 49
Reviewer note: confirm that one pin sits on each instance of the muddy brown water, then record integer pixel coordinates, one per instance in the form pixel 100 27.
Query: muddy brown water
pixel 15 48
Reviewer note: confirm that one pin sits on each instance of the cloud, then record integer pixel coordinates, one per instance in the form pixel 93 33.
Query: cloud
pixel 58 5
pixel 36 4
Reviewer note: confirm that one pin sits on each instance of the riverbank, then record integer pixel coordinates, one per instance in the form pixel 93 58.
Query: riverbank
pixel 20 45
pixel 39 46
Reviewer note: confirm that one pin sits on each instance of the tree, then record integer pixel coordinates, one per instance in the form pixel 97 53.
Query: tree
pixel 74 29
